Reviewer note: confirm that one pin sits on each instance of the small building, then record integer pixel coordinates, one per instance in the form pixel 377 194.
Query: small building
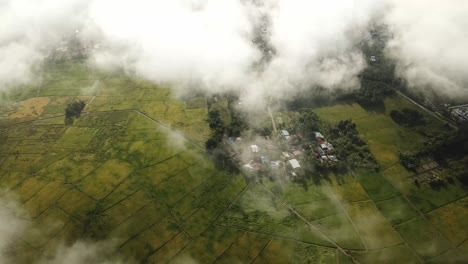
pixel 320 151
pixel 327 146
pixel 373 59
pixel 249 170
pixel 285 155
pixel 265 160
pixel 294 163
pixel 284 133
pixel 254 148
pixel 231 140
pixel 297 153
pixel 275 164
pixel 319 135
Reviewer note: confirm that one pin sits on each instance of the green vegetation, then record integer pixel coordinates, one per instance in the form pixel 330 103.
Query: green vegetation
pixel 397 210
pixel 407 117
pixel 350 148
pixel 426 240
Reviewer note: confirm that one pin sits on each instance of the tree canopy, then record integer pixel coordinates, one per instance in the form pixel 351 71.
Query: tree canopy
pixel 73 111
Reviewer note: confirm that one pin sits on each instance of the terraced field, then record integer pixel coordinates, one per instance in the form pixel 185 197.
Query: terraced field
pixel 123 177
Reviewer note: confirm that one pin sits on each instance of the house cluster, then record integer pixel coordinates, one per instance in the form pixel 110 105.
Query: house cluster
pixel 460 114
pixel 260 159
pixel 265 157
pixel 284 158
pixel 324 150
pixel 294 154
pixel 256 157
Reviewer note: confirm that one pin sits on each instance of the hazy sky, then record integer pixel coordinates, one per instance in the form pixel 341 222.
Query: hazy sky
pixel 207 43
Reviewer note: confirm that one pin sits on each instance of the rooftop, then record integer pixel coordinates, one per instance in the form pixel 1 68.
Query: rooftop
pixel 294 163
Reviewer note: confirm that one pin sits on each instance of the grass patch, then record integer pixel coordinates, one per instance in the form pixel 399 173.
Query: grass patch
pixel 170 250
pixel 397 210
pixel 151 240
pixel 423 238
pixel 277 251
pixel 451 220
pixel 45 197
pixel 427 199
pixel 398 176
pixel 399 254
pixel 76 204
pixel 376 185
pixel 339 228
pixel 311 254
pixel 336 113
pixel 348 189
pixel 372 226
pixel 245 249
pixel 103 180
pixel 210 245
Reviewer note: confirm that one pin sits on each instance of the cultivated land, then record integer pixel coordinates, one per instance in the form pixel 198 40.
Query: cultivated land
pixel 120 174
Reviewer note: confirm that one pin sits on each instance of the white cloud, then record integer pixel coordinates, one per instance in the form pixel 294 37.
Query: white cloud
pixel 27 28
pixel 207 43
pixel 430 40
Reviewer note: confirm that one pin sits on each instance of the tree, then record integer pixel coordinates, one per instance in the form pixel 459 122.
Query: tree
pixel 73 111
pixel 215 122
pixel 409 161
pixel 309 122
pixel 211 144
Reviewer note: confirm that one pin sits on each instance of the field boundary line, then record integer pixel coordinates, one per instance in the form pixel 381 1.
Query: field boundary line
pixel 313 226
pixel 260 252
pixel 403 241
pixel 278 236
pixel 191 190
pixel 126 219
pixel 454 201
pixel 54 203
pixel 181 250
pixel 422 215
pixel 231 204
pixel 228 248
pixel 161 161
pixel 121 200
pixel 25 201
pixel 147 229
pixel 335 197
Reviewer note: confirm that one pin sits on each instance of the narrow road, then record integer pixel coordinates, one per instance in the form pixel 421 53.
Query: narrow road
pixel 437 116
pixel 272 120
pixel 271 116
